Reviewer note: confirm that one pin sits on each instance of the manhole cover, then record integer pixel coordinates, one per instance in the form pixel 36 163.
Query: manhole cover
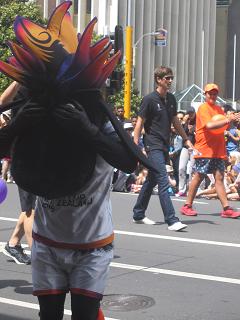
pixel 120 302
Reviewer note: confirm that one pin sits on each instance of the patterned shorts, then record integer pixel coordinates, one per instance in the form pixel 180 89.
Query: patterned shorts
pixel 209 165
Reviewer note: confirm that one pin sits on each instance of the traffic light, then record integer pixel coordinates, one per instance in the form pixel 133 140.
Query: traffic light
pixel 118 40
pixel 116 77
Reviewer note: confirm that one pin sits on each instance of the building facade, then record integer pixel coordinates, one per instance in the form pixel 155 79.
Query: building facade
pixel 190 25
pixel 233 30
pixel 190 50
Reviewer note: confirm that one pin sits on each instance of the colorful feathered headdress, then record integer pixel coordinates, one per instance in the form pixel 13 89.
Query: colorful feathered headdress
pixel 57 56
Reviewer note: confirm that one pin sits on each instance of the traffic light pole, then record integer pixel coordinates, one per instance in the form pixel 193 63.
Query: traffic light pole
pixel 128 66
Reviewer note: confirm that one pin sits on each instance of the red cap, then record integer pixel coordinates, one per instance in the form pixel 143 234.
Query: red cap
pixel 210 87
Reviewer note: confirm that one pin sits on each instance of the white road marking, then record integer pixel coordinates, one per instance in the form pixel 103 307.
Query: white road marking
pixel 157 236
pixel 160 271
pixel 8 219
pixel 166 271
pixel 33 306
pixel 174 199
pixel 184 200
pixel 175 273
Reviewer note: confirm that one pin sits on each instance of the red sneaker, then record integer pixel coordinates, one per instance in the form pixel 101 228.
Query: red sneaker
pixel 187 210
pixel 230 213
pixel 100 315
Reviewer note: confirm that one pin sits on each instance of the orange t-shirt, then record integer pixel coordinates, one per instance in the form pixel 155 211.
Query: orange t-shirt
pixel 208 144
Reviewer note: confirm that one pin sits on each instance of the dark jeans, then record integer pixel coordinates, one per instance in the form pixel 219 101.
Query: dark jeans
pixel 161 179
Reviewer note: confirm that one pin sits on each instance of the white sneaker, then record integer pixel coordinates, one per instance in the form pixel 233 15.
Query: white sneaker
pixel 144 221
pixel 177 226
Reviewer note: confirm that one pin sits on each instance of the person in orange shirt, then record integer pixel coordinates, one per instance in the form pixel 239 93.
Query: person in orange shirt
pixel 211 152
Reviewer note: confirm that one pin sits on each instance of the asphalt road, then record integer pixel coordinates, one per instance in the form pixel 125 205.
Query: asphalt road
pixel 156 274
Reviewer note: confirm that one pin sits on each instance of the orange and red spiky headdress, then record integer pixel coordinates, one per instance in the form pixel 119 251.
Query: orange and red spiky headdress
pixel 56 55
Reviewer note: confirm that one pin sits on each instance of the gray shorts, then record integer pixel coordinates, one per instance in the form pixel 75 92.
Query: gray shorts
pixel 208 165
pixel 27 200
pixel 56 271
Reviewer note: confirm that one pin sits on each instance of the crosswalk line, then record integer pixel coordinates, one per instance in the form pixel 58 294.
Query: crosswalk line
pixel 175 273
pixel 158 236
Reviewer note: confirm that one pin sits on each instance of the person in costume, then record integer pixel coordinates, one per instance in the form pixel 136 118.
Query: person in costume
pixel 211 155
pixel 62 115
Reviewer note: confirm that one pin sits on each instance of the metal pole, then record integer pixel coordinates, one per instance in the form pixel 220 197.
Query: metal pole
pixel 144 35
pixel 135 47
pixel 129 12
pixel 45 9
pixel 79 17
pixel 128 65
pixel 202 64
pixel 234 68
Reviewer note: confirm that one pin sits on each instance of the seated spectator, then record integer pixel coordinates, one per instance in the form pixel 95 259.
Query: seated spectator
pixel 186 160
pixel 235 186
pixel 121 180
pixel 174 151
pixel 134 121
pixel 210 192
pixel 140 142
pixel 180 115
pixel 172 180
pixel 227 108
pixel 120 114
pixel 139 180
pixel 232 137
pixel 128 127
pixel 233 159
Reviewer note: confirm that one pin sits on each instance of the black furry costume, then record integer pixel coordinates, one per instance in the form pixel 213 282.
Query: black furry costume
pixel 56 133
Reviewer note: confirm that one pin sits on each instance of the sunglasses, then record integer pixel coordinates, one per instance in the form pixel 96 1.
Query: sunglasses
pixel 212 93
pixel 168 78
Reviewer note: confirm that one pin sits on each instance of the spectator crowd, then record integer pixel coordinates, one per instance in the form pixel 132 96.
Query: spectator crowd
pixel 180 164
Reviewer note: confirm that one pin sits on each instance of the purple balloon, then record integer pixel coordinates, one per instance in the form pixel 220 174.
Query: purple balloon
pixel 3 190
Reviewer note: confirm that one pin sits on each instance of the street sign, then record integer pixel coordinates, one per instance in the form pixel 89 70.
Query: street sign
pixel 161 38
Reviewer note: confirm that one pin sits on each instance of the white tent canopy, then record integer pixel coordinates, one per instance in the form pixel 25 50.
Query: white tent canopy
pixel 192 96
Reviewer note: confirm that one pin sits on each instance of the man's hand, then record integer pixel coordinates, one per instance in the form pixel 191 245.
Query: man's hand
pixel 27 117
pixel 188 144
pixel 73 118
pixel 234 117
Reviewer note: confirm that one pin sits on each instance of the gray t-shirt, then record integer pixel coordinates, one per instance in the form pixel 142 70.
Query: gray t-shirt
pixel 82 220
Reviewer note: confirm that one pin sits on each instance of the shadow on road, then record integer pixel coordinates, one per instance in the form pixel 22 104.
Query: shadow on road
pixel 188 222
pixel 7 317
pixel 20 286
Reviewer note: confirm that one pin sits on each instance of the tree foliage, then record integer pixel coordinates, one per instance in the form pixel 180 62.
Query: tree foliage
pixel 9 10
pixel 117 99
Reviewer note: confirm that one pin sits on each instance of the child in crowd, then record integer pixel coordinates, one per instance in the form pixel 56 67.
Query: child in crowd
pixel 139 181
